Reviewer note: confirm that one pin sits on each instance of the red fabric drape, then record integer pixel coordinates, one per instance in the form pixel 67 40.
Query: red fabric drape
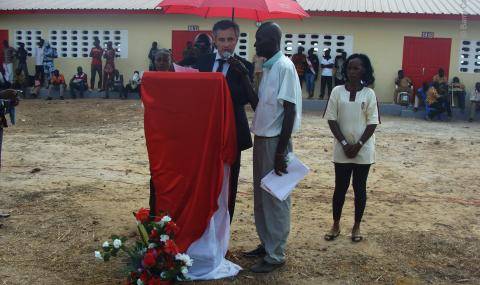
pixel 190 134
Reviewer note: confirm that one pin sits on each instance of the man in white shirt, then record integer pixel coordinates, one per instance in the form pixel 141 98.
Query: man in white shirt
pixel 39 60
pixel 277 115
pixel 327 63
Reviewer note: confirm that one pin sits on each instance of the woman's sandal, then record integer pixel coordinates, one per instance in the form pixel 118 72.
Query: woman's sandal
pixel 331 236
pixel 357 237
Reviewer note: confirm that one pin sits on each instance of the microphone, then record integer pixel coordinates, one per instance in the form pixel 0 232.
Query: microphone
pixel 226 55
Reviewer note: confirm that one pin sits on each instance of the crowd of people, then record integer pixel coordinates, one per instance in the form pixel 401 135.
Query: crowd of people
pixel 437 96
pixel 48 76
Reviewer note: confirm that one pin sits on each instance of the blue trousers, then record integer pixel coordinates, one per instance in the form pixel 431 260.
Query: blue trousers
pixel 310 81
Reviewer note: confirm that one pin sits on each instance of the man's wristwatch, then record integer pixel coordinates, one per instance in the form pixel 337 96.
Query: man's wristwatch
pixel 360 142
pixel 344 142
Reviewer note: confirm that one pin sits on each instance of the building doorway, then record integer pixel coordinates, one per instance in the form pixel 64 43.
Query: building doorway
pixel 423 57
pixel 180 40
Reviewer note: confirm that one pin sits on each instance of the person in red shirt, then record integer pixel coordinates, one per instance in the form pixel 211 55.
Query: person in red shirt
pixel 78 82
pixel 96 54
pixel 109 67
pixel 57 82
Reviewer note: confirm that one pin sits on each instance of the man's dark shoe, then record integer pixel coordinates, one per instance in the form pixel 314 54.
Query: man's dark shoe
pixel 258 252
pixel 265 267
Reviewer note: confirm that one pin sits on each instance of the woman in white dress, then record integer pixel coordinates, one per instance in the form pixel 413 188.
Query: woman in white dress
pixel 352 115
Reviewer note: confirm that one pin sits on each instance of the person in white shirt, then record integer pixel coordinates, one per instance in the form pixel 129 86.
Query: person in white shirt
pixel 326 81
pixel 352 115
pixel 277 115
pixel 39 60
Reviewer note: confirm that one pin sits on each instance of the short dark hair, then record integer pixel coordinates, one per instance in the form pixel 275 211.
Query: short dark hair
pixel 225 25
pixel 368 78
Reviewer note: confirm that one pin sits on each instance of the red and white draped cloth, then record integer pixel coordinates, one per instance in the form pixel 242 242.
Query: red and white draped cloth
pixel 191 142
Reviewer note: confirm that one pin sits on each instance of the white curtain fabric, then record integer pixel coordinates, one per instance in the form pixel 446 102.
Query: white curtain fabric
pixel 208 252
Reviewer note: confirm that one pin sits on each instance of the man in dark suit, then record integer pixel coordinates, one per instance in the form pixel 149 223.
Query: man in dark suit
pixel 239 75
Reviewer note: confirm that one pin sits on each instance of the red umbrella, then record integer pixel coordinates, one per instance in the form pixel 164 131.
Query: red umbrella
pixel 258 10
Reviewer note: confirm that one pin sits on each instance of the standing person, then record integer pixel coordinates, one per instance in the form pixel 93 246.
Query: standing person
pixel 188 51
pixel 474 101
pixel 239 75
pixel 277 116
pixel 202 46
pixel 300 62
pixel 78 83
pixel 8 100
pixel 151 56
pixel 22 55
pixel 49 54
pixel 327 64
pixel 257 62
pixel 96 54
pixel 109 68
pixel 39 55
pixel 339 65
pixel 9 56
pixel 311 74
pixel 352 115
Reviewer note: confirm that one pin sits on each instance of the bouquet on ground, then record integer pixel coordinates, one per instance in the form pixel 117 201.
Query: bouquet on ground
pixel 155 259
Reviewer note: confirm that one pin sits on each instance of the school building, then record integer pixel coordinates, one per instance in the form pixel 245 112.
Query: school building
pixel 418 36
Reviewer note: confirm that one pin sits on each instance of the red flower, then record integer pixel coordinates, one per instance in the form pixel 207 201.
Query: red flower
pixel 142 215
pixel 149 259
pixel 171 228
pixel 171 247
pixel 144 276
pixel 155 281
pixel 154 234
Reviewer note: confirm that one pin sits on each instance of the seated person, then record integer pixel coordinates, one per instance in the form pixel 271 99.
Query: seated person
pixel 57 82
pixel 437 100
pixel 440 77
pixel 421 96
pixel 134 84
pixel 402 84
pixel 474 101
pixel 37 84
pixel 116 85
pixel 78 83
pixel 458 91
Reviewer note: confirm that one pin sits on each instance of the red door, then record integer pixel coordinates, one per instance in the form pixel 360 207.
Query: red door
pixel 180 39
pixel 423 57
pixel 3 36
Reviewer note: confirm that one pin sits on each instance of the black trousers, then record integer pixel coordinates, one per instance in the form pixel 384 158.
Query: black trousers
pixel 94 69
pixel 326 81
pixel 234 174
pixel 343 174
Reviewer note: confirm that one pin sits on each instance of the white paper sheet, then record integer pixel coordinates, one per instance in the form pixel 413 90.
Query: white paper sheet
pixel 281 186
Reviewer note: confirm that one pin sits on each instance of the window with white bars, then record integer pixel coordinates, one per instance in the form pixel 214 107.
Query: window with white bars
pixel 29 37
pixel 469 56
pixel 242 46
pixel 77 43
pixel 337 43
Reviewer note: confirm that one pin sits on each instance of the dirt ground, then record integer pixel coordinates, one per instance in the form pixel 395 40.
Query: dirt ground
pixel 73 172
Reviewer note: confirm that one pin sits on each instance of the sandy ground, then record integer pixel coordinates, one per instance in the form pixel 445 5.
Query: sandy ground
pixel 422 222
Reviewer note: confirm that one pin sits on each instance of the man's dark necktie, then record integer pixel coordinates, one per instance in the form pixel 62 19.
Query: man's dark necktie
pixel 221 62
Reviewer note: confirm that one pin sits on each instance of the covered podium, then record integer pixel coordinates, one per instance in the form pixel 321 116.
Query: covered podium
pixel 191 142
